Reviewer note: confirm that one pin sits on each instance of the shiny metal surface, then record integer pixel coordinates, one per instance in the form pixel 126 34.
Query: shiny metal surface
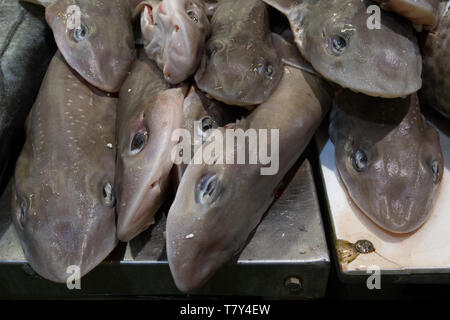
pixel 287 256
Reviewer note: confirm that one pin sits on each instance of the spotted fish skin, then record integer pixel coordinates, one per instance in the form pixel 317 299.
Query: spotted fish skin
pixel 26 48
pixel 240 66
pixel 149 112
pixel 436 64
pixel 420 12
pixel 218 205
pixel 63 198
pixel 333 35
pixel 388 158
pixel 103 48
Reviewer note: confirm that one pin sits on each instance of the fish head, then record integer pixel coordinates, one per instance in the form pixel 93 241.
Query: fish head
pixel 144 160
pixel 48 212
pixel 100 44
pixel 239 73
pixel 390 169
pixel 175 32
pixel 336 39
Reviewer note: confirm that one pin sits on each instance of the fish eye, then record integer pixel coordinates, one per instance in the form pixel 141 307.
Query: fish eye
pixel 108 195
pixel 139 141
pixel 79 34
pixel 435 170
pixel 268 70
pixel 193 16
pixel 21 216
pixel 359 160
pixel 338 44
pixel 207 123
pixel 208 189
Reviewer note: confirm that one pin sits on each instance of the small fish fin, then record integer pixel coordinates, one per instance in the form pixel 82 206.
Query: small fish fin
pixel 44 3
pixel 284 6
pixel 290 54
pixel 139 7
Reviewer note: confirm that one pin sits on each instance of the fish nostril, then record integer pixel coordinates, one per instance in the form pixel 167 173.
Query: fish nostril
pixel 108 195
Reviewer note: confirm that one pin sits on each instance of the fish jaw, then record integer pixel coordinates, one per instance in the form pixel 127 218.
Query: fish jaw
pixel 105 54
pixel 142 177
pixel 175 32
pixel 333 36
pixel 398 188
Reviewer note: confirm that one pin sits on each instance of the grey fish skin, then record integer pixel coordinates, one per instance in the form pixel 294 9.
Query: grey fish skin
pixel 420 12
pixel 63 194
pixel 388 158
pixel 333 36
pixel 102 49
pixel 217 206
pixel 149 112
pixel 174 33
pixel 26 48
pixel 436 64
pixel 241 66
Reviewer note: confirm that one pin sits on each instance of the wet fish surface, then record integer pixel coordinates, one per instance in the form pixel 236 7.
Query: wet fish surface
pixel 420 12
pixel 334 37
pixel 26 48
pixel 101 48
pixel 149 112
pixel 241 66
pixel 388 158
pixel 436 64
pixel 174 33
pixel 63 192
pixel 218 205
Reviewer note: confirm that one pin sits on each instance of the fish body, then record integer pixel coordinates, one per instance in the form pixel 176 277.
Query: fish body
pixel 334 36
pixel 388 158
pixel 420 12
pixel 149 112
pixel 26 48
pixel 63 199
pixel 218 205
pixel 174 33
pixel 436 64
pixel 101 48
pixel 241 66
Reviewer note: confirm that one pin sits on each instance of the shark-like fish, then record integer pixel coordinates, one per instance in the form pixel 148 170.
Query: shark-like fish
pixel 95 37
pixel 241 66
pixel 436 64
pixel 218 205
pixel 174 33
pixel 63 198
pixel 26 48
pixel 149 112
pixel 338 38
pixel 388 158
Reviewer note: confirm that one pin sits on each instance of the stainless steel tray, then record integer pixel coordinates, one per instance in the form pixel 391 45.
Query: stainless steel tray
pixel 287 256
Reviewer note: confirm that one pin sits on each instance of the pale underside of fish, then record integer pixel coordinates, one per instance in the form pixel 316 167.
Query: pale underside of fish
pixel 218 205
pixel 388 158
pixel 26 48
pixel 240 65
pixel 334 36
pixel 174 33
pixel 436 64
pixel 149 112
pixel 63 198
pixel 100 44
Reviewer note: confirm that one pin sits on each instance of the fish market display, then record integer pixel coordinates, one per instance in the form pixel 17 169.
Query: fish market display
pixel 334 37
pixel 101 47
pixel 174 33
pixel 240 66
pixel 149 112
pixel 26 49
pixel 218 205
pixel 63 203
pixel 420 12
pixel 436 64
pixel 388 157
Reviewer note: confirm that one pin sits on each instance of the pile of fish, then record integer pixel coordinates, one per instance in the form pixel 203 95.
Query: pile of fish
pixel 97 162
